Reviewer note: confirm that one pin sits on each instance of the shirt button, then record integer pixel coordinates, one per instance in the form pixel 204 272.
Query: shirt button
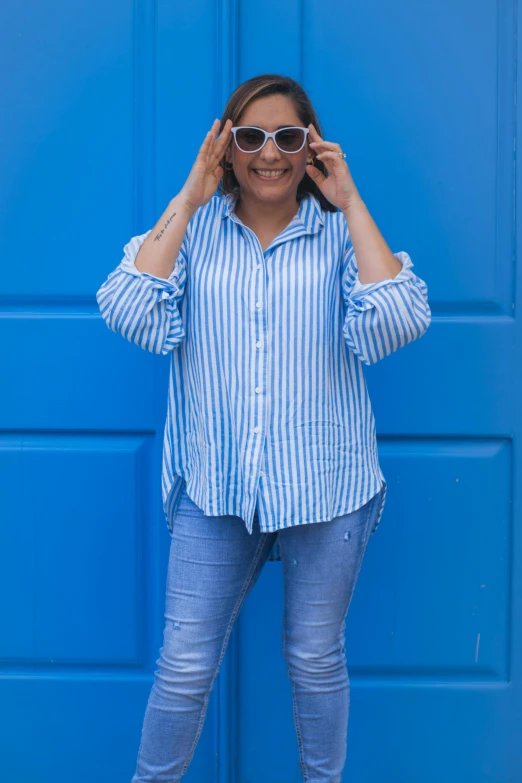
pixel 259 343
pixel 257 429
pixel 261 473
pixel 258 266
pixel 258 389
pixel 258 304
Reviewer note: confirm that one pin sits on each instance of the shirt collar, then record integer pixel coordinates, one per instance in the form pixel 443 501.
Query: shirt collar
pixel 309 215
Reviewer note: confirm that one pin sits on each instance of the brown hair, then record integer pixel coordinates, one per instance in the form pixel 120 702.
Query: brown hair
pixel 259 87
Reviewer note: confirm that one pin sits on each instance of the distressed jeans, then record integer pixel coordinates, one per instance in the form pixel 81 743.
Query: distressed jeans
pixel 213 564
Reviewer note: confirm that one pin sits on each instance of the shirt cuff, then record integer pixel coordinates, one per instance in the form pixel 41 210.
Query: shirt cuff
pixel 159 282
pixel 128 265
pixel 360 289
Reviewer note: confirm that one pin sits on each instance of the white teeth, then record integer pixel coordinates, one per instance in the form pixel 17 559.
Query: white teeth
pixel 269 173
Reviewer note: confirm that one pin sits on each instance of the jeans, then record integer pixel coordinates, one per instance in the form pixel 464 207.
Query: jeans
pixel 213 564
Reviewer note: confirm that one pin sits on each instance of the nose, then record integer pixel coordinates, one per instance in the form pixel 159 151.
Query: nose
pixel 269 151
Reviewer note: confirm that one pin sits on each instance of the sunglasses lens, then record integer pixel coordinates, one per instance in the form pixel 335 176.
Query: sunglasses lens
pixel 291 139
pixel 249 139
pixel 288 139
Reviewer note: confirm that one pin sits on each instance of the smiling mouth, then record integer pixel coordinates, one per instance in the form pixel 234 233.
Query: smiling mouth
pixel 269 176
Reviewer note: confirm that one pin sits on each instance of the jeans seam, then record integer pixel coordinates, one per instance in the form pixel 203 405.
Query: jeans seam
pixel 233 616
pixel 304 769
pixel 372 503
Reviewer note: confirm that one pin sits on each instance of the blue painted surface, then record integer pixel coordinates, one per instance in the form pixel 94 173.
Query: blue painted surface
pixel 105 107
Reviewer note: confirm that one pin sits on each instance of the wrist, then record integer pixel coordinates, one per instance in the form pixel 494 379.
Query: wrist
pixel 353 204
pixel 183 206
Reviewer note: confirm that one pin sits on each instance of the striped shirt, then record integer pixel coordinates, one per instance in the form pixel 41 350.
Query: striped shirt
pixel 268 410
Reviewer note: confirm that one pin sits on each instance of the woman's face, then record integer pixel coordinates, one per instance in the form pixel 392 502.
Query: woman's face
pixel 269 113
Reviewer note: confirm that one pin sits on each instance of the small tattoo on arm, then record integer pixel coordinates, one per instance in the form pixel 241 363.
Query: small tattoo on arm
pixel 160 234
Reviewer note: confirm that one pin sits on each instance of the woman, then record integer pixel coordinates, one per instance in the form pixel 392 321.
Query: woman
pixel 270 296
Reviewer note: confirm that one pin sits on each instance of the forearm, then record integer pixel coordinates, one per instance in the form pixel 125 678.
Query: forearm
pixel 375 260
pixel 159 251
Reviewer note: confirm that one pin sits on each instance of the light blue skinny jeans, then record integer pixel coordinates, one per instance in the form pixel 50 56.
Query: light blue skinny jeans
pixel 213 564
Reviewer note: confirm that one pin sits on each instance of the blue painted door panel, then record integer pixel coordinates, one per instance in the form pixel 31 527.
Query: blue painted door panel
pixel 105 107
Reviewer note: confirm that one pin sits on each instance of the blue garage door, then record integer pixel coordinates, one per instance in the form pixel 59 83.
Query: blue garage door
pixel 104 107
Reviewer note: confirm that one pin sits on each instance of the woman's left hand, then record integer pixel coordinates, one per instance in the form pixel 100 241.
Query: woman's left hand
pixel 339 188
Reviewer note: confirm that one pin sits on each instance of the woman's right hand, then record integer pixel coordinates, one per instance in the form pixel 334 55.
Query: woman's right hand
pixel 203 180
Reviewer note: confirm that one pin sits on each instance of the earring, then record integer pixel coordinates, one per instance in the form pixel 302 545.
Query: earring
pixel 228 168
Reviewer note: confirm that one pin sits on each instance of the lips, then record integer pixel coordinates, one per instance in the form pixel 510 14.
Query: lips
pixel 266 178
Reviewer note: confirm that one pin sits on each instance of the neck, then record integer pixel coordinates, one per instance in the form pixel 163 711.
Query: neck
pixel 266 213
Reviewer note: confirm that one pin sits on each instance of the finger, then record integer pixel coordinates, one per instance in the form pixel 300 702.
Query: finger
pixel 329 159
pixel 210 140
pixel 313 133
pixel 203 150
pixel 315 173
pixel 209 157
pixel 330 155
pixel 325 144
pixel 222 141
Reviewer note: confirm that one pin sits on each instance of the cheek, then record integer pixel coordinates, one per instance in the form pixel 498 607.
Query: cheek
pixel 241 162
pixel 301 164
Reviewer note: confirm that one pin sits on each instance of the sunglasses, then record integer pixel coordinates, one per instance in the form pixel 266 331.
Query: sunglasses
pixel 251 139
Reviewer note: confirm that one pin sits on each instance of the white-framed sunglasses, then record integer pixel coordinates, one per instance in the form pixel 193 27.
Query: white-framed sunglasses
pixel 291 139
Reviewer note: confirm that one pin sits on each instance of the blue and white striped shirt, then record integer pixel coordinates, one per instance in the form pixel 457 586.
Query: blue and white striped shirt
pixel 268 408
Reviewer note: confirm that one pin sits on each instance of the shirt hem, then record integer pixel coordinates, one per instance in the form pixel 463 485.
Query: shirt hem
pixel 171 502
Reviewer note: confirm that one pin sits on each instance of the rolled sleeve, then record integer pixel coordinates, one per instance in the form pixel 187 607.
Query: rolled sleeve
pixel 141 307
pixel 384 316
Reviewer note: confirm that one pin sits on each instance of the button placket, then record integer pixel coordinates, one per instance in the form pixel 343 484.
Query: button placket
pixel 257 453
pixel 260 362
